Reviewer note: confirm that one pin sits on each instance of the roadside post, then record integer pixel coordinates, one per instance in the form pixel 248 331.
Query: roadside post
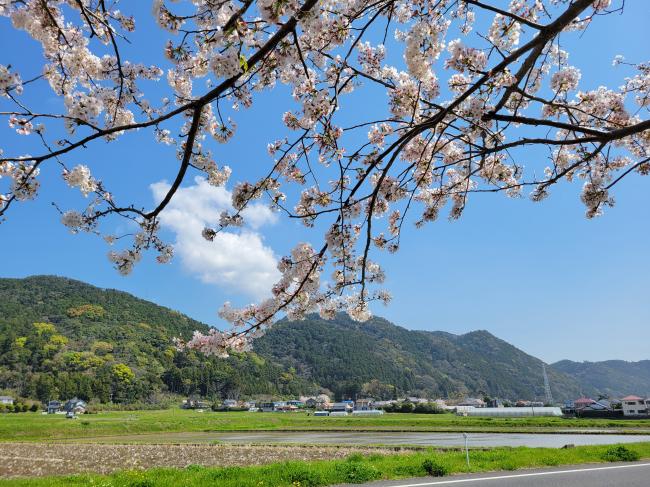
pixel 466 451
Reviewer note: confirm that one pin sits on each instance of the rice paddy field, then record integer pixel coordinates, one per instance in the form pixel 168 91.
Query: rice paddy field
pixel 54 427
pixel 142 448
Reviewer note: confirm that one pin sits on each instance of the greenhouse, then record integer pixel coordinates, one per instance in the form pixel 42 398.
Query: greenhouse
pixel 513 412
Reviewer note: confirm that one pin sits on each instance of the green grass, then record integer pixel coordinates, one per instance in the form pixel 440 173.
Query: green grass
pixel 356 469
pixel 37 427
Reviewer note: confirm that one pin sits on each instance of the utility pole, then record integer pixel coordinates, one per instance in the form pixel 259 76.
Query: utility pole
pixel 547 387
pixel 466 451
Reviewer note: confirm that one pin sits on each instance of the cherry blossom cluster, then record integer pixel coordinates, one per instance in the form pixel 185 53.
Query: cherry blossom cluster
pixel 459 108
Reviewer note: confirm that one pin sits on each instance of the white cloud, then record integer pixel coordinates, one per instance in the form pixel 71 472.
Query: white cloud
pixel 236 261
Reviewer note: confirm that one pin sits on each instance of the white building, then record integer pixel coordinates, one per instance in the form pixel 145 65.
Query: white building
pixel 514 412
pixel 635 406
pixel 344 406
pixel 6 400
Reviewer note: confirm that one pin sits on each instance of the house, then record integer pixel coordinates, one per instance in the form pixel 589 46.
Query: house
pixel 229 403
pixel 269 407
pixel 194 402
pixel 529 404
pixel 316 402
pixel 583 402
pixel 280 406
pixel 635 406
pixel 602 408
pixel 494 403
pixel 297 403
pixel 363 404
pixel 342 407
pixel 54 407
pixel 285 406
pixel 417 400
pixel 75 405
pixel 473 402
pixel 266 406
pixel 6 400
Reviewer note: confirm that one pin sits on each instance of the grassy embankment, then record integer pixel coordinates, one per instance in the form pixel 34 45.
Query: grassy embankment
pixel 355 469
pixel 37 427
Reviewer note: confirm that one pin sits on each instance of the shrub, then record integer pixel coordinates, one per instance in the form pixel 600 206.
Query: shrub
pixel 406 407
pixel 550 461
pixel 137 479
pixel 299 474
pixel 34 407
pixel 620 454
pixel 355 457
pixel 307 478
pixel 356 472
pixel 434 469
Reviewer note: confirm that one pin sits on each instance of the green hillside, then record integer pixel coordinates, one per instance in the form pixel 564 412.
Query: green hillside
pixel 64 338
pixel 614 378
pixel 349 357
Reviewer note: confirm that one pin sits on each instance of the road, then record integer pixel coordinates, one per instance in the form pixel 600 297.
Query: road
pixel 619 475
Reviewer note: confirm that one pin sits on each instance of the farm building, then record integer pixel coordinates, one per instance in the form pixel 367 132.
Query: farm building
pixel 6 400
pixel 367 412
pixel 344 406
pixel 514 412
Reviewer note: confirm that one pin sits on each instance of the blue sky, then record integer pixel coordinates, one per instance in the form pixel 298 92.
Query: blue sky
pixel 540 276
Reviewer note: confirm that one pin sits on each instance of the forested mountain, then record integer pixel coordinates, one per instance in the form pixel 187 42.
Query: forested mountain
pixel 614 378
pixel 345 356
pixel 64 338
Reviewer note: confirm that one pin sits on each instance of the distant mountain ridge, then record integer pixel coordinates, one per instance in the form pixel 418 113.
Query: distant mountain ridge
pixel 344 356
pixel 614 378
